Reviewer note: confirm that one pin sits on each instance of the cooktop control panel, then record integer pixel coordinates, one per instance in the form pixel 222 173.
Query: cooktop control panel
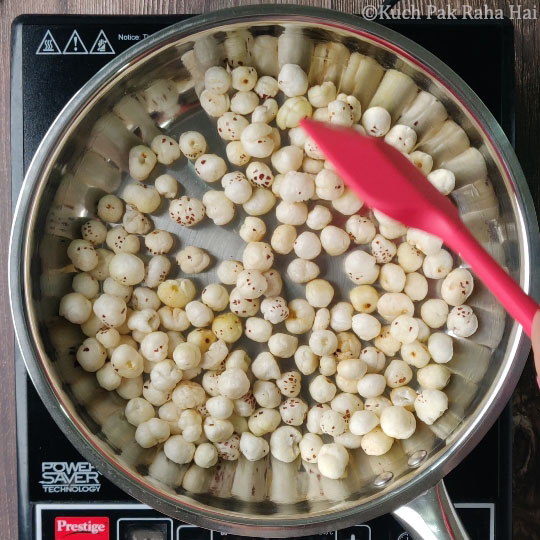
pixel 104 521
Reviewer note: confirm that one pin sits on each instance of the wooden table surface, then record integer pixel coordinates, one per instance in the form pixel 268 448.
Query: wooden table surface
pixel 526 493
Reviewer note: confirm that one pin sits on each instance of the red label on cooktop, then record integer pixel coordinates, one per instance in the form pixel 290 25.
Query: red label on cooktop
pixel 81 528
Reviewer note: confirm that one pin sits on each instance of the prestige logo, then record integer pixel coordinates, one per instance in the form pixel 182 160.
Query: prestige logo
pixel 81 528
pixel 69 477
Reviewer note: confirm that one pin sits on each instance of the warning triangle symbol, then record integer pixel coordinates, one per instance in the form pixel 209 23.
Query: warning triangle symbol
pixel 102 45
pixel 75 44
pixel 48 45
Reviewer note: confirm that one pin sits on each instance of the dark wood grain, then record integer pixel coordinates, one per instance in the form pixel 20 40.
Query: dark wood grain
pixel 526 402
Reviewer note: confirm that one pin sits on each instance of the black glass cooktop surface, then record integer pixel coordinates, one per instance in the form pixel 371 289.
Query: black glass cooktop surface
pixel 59 492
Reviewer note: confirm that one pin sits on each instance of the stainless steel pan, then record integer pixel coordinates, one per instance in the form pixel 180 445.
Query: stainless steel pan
pixel 84 154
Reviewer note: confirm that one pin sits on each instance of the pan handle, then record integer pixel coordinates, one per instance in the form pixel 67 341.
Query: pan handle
pixel 432 516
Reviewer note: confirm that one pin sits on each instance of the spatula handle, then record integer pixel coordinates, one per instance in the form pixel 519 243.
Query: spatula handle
pixel 518 304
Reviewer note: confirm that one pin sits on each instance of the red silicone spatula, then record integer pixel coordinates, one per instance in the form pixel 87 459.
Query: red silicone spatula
pixel 386 180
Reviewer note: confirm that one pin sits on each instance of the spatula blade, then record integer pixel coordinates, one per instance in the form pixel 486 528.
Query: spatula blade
pixel 382 176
